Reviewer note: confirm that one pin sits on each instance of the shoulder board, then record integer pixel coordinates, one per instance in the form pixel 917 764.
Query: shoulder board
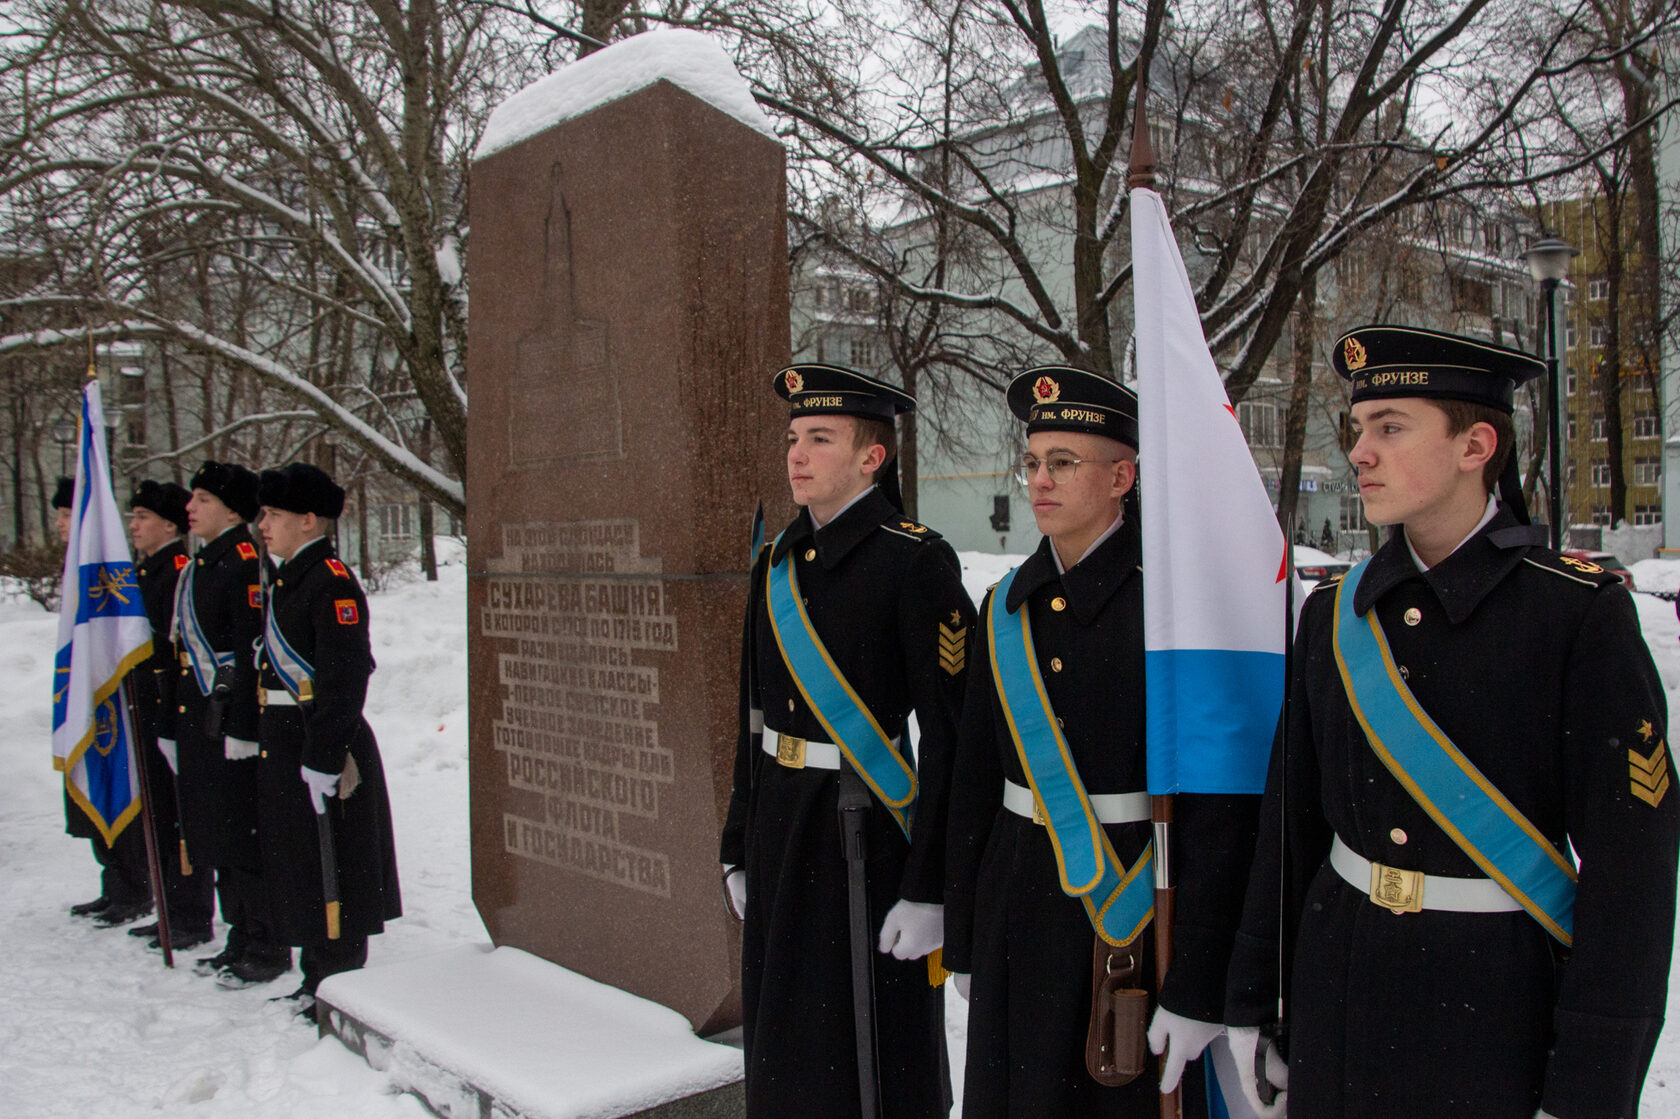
pixel 1329 583
pixel 247 550
pixel 337 568
pixel 181 561
pixel 911 529
pixel 1585 572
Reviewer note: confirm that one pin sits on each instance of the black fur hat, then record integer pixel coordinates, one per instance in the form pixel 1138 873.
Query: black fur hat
pixel 232 483
pixel 301 488
pixel 166 499
pixel 65 496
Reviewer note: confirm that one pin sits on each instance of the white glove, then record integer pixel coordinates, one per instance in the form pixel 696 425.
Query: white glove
pixel 913 929
pixel 735 885
pixel 238 749
pixel 321 786
pixel 166 747
pixel 1181 1039
pixel 1544 1114
pixel 963 982
pixel 1244 1042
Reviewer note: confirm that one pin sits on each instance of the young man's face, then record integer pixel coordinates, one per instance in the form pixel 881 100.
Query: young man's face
pixel 825 468
pixel 1409 467
pixel 61 521
pixel 207 516
pixel 148 531
pixel 284 531
pixel 1087 503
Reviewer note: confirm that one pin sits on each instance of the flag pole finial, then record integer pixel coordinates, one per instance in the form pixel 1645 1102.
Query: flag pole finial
pixel 1141 171
pixel 93 366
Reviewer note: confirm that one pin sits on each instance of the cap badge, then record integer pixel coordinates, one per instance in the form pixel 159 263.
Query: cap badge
pixel 1354 354
pixel 1046 390
pixel 794 381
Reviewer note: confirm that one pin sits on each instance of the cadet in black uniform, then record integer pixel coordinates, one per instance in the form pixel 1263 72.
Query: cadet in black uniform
pixel 319 756
pixel 218 617
pixel 1028 944
pixel 157 523
pixel 125 887
pixel 884 595
pixel 1463 678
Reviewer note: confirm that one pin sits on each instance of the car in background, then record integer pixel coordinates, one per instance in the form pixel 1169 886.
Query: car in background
pixel 1605 560
pixel 1312 565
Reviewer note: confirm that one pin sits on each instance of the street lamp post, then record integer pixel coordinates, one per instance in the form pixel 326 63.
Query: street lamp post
pixel 64 434
pixel 1548 262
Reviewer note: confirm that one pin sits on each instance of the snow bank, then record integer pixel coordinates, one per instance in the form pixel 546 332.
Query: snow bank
pixel 546 1042
pixel 1656 576
pixel 687 59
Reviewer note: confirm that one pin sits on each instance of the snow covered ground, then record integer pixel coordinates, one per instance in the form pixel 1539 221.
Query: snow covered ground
pixel 90 1022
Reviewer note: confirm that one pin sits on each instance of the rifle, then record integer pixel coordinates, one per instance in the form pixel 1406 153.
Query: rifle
pixel 854 804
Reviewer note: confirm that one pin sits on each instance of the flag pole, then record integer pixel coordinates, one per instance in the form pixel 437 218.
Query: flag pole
pixel 1140 172
pixel 154 864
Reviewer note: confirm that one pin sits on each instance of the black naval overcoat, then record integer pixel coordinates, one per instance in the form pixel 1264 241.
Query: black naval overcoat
pixel 1027 944
pixel 188 896
pixel 218 796
pixel 880 591
pixel 1533 665
pixel 322 612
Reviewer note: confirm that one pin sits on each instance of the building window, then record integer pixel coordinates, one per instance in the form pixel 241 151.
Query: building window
pixel 1597 334
pixel 1569 336
pixel 1259 423
pixel 1647 471
pixel 1572 428
pixel 1645 426
pixel 1647 514
pixel 395 521
pixel 136 429
pixel 1598 435
pixel 860 299
pixel 1598 289
pixel 1600 474
pixel 1353 514
pixel 1601 515
pixel 863 352
pixel 1569 383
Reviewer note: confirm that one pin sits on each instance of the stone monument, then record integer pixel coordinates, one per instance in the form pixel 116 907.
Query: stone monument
pixel 628 262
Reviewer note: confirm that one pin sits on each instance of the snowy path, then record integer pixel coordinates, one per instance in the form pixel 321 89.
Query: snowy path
pixel 91 1024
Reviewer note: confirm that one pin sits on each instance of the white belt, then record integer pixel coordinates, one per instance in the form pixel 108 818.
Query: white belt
pixel 275 697
pixel 1408 891
pixel 1111 808
pixel 801 753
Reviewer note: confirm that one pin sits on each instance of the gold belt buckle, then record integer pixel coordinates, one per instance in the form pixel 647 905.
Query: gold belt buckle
pixel 1396 889
pixel 790 751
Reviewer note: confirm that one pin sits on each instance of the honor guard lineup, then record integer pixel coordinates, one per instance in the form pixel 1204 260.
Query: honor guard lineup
pixel 1465 856
pixel 265 783
pixel 1455 898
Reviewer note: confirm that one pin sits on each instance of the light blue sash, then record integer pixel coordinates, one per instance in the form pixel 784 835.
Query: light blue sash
pixel 1477 817
pixel 297 674
pixel 837 707
pixel 1120 902
pixel 203 658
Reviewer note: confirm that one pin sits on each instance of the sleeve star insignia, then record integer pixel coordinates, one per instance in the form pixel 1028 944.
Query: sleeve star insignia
pixel 1646 730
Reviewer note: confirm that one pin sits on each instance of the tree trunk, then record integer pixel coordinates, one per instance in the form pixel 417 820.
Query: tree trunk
pixel 907 451
pixel 1300 391
pixel 428 546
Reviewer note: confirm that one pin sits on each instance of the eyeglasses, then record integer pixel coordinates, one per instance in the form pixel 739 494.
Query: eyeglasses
pixel 1062 467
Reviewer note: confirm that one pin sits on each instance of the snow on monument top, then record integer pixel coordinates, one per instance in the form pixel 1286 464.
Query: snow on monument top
pixel 688 59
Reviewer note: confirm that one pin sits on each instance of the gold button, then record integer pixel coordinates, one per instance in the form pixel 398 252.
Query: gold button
pixel 1055 664
pixel 1405 673
pixel 265 753
pixel 790 705
pixel 1413 616
pixel 182 709
pixel 1397 835
pixel 201 563
pixel 1059 721
pixel 810 554
pixel 1058 604
pixel 279 582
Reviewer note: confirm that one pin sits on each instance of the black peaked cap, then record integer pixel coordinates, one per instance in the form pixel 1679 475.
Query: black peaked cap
pixel 1388 361
pixel 1062 398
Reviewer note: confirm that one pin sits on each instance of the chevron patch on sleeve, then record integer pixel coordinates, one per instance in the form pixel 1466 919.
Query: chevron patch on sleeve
pixel 953 644
pixel 1648 773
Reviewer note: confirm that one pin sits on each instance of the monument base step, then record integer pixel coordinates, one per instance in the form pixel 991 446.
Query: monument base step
pixel 483 1033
